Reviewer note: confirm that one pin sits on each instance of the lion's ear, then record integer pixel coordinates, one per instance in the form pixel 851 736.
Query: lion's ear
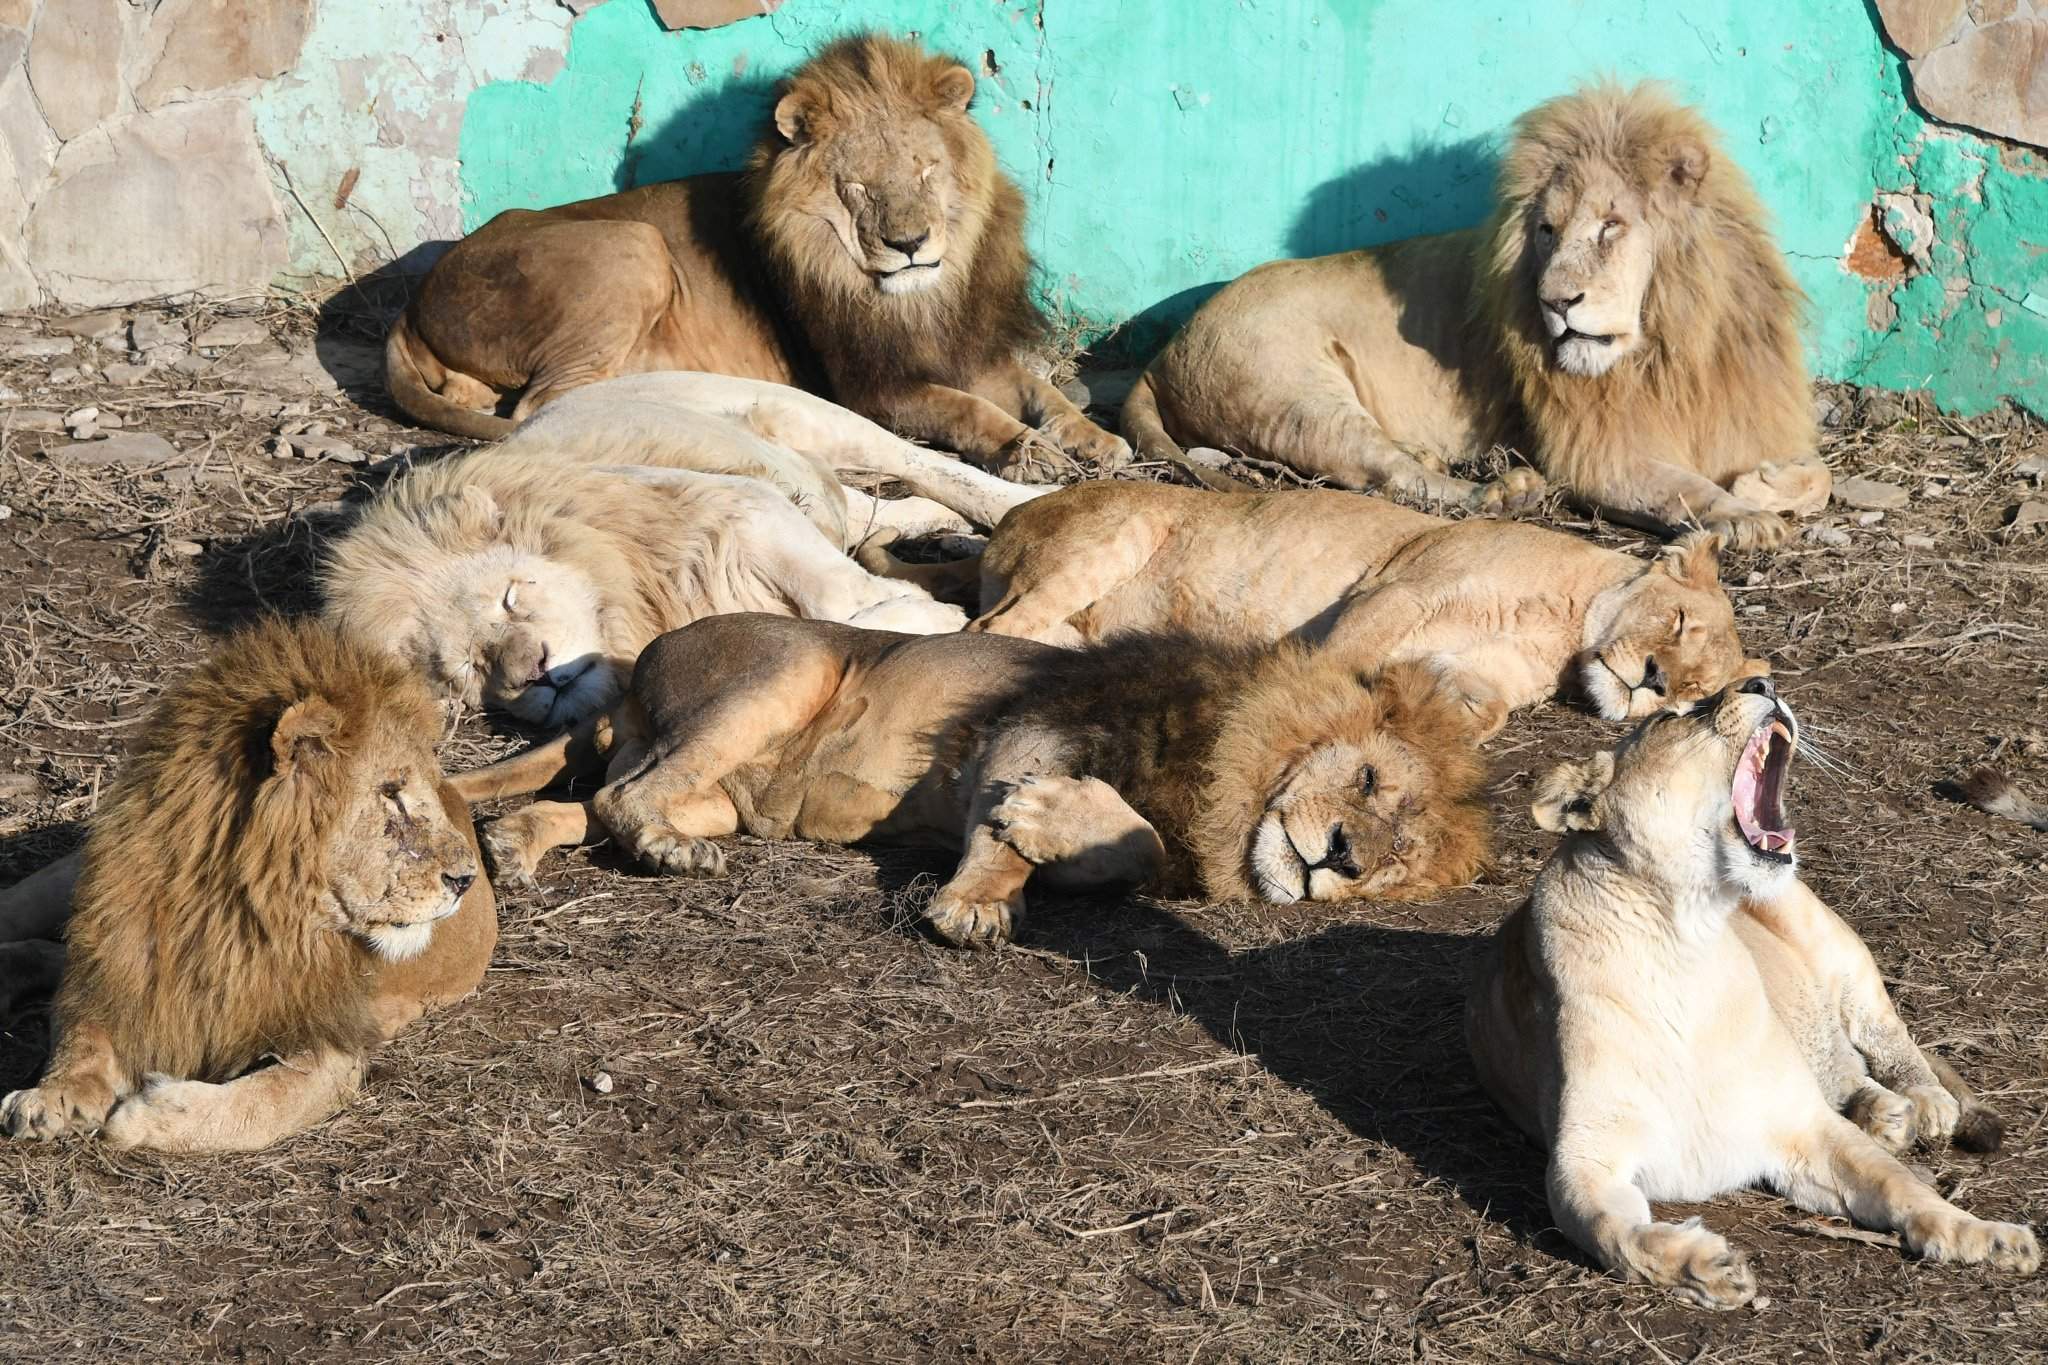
pixel 304 734
pixel 1695 558
pixel 1568 797
pixel 1686 162
pixel 800 117
pixel 953 88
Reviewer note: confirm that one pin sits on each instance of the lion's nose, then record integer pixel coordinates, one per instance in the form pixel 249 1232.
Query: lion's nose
pixel 1758 687
pixel 1562 307
pixel 1337 857
pixel 907 245
pixel 458 882
pixel 1653 676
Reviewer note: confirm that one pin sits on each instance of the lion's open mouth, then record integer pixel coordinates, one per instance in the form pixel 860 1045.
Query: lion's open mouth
pixel 1759 791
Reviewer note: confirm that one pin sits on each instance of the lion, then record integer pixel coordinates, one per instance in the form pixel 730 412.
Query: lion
pixel 1674 1015
pixel 1623 316
pixel 1272 772
pixel 279 870
pixel 1513 613
pixel 528 576
pixel 872 250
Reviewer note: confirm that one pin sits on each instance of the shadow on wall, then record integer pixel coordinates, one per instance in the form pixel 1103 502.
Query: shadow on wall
pixel 713 132
pixel 1432 187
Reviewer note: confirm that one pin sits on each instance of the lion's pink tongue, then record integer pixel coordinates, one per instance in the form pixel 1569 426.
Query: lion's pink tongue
pixel 1744 794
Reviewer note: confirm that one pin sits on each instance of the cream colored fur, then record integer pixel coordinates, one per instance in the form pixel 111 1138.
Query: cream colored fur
pixel 1676 1016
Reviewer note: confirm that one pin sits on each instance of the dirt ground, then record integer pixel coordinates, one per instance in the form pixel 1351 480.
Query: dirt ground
pixel 762 1118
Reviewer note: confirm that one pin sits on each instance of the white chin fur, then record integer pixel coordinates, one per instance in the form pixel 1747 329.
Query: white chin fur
pixel 1748 875
pixel 1588 358
pixel 1276 871
pixel 913 279
pixel 397 942
pixel 1603 689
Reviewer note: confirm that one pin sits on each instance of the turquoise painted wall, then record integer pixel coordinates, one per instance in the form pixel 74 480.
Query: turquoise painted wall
pixel 1168 145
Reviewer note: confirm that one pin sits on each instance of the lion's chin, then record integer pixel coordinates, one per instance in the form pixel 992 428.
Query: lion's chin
pixel 1278 873
pixel 1611 698
pixel 397 942
pixel 911 279
pixel 1590 357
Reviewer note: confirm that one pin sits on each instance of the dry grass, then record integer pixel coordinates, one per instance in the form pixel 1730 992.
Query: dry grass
pixel 1151 1131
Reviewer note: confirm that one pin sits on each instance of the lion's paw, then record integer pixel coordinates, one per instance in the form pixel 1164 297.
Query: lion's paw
pixel 1888 1118
pixel 1752 530
pixel 1963 1240
pixel 508 853
pixel 681 854
pixel 968 918
pixel 1024 819
pixel 1935 1113
pixel 156 1117
pixel 1079 437
pixel 1518 490
pixel 51 1111
pixel 1695 1262
pixel 1031 457
pixel 911 616
pixel 1429 489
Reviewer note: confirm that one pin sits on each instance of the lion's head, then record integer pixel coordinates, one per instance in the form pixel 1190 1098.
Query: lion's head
pixel 1622 232
pixel 281 816
pixel 1694 799
pixel 1663 638
pixel 880 164
pixel 1327 784
pixel 511 581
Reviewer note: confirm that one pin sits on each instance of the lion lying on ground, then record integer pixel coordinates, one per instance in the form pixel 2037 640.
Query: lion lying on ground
pixel 1674 1015
pixel 1623 317
pixel 278 871
pixel 1512 612
pixel 529 576
pixel 873 249
pixel 1270 772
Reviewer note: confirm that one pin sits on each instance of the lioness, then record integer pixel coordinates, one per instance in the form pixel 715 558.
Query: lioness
pixel 1273 772
pixel 279 870
pixel 1622 316
pixel 1675 1015
pixel 1513 612
pixel 873 249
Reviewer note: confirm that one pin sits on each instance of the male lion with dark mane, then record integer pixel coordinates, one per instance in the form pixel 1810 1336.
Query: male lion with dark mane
pixel 278 871
pixel 872 249
pixel 1271 772
pixel 1623 317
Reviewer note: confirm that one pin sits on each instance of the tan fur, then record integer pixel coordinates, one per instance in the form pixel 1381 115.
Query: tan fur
pixel 1382 367
pixel 1675 1015
pixel 793 273
pixel 259 881
pixel 1511 612
pixel 1271 772
pixel 597 561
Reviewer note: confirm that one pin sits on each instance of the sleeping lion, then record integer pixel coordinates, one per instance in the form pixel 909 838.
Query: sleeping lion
pixel 1623 318
pixel 1674 1015
pixel 1511 612
pixel 1273 772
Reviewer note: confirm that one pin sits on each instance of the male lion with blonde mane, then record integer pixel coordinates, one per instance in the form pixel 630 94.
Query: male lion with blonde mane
pixel 278 871
pixel 1623 317
pixel 527 576
pixel 1674 1015
pixel 872 250
pixel 1268 772
pixel 1510 613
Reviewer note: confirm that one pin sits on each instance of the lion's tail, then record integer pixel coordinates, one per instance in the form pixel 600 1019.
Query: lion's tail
pixel 579 751
pixel 1980 1129
pixel 405 380
pixel 1143 427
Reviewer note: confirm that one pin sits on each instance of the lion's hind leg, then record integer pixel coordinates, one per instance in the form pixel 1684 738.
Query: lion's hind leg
pixel 1598 1206
pixel 516 843
pixel 246 1114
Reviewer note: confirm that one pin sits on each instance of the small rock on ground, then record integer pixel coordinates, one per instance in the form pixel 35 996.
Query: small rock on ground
pixel 129 447
pixel 1870 494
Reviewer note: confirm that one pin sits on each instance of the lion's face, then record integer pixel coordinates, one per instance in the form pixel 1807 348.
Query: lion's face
pixel 880 172
pixel 1387 812
pixel 520 632
pixel 1591 251
pixel 394 862
pixel 1693 798
pixel 1665 638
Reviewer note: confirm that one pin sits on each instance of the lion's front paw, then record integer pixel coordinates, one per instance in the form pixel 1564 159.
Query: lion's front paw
pixel 1888 1118
pixel 1797 487
pixel 971 917
pixel 1031 457
pixel 1696 1263
pixel 1518 490
pixel 1080 437
pixel 156 1117
pixel 1427 488
pixel 508 852
pixel 1963 1240
pixel 1751 530
pixel 1024 819
pixel 1935 1113
pixel 669 851
pixel 53 1110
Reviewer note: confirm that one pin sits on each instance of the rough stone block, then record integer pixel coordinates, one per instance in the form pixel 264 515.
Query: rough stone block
pixel 1993 78
pixel 203 45
pixel 74 63
pixel 676 14
pixel 1918 26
